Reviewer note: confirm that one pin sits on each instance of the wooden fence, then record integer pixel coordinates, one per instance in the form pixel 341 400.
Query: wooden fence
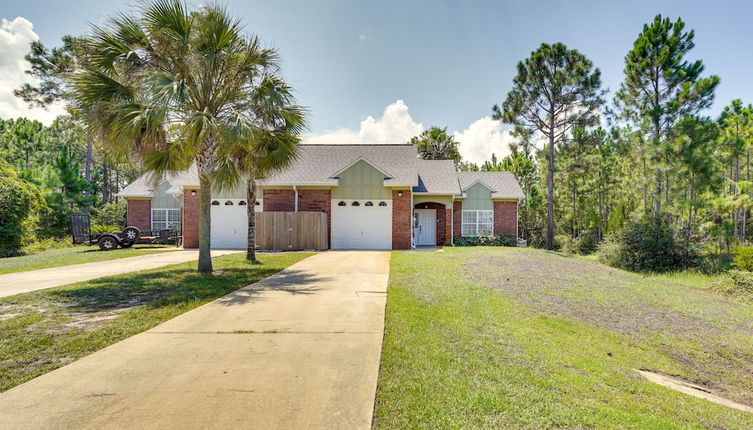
pixel 291 231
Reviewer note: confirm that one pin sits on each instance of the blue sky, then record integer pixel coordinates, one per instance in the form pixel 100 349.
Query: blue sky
pixel 449 62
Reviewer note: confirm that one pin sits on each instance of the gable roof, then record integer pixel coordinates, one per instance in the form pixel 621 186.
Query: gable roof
pixel 320 164
pixel 437 177
pixel 503 184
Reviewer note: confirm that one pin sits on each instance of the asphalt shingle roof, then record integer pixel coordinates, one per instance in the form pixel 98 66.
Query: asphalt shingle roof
pixel 437 177
pixel 503 184
pixel 319 164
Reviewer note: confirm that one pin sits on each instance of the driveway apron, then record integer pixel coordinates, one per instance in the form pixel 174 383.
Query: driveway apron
pixel 298 350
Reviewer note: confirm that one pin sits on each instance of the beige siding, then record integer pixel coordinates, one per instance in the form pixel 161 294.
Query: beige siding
pixel 478 197
pixel 361 181
pixel 162 200
pixel 445 200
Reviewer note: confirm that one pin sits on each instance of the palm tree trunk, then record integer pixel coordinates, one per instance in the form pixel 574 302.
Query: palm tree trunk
pixel 251 208
pixel 205 207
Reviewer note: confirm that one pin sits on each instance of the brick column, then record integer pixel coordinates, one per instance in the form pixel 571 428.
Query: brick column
pixel 506 218
pixel 447 227
pixel 402 219
pixel 279 200
pixel 457 213
pixel 139 213
pixel 190 219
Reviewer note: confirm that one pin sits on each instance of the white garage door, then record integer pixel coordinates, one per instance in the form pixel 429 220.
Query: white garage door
pixel 229 225
pixel 361 224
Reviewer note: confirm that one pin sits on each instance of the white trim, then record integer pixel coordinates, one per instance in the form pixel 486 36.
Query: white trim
pixel 479 181
pixel 476 223
pixel 295 198
pixel 367 161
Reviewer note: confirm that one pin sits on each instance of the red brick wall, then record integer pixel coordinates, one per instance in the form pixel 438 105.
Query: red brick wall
pixel 402 220
pixel 139 213
pixel 441 224
pixel 506 218
pixel 457 213
pixel 317 201
pixel 279 201
pixel 190 220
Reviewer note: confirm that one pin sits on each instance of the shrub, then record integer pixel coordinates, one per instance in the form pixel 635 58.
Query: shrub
pixel 609 250
pixel 743 258
pixel 111 214
pixel 491 240
pixel 46 244
pixel 649 244
pixel 564 243
pixel 736 283
pixel 20 204
pixel 99 228
pixel 584 244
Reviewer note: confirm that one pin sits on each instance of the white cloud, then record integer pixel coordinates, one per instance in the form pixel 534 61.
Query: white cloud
pixel 477 142
pixel 482 138
pixel 395 126
pixel 15 38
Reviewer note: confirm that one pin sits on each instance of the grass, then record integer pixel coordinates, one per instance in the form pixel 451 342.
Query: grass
pixel 43 330
pixel 71 255
pixel 480 338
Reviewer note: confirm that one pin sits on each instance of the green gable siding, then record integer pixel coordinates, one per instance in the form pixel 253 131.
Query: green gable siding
pixel 162 200
pixel 361 181
pixel 478 197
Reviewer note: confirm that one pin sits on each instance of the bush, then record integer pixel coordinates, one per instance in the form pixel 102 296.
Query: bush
pixel 46 244
pixel 584 244
pixel 491 240
pixel 111 214
pixel 99 228
pixel 649 244
pixel 20 205
pixel 736 283
pixel 609 251
pixel 743 258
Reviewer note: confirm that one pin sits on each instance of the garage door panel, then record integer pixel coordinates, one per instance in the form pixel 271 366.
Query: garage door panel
pixel 361 227
pixel 229 226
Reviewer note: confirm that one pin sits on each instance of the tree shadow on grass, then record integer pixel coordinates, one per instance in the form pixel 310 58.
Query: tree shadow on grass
pixel 169 287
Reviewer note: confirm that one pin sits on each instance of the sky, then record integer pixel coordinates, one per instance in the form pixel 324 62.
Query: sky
pixel 383 71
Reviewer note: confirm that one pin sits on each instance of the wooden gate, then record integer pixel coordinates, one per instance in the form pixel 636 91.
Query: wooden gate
pixel 291 231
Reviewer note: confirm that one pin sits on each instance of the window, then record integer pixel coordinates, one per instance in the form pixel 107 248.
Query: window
pixel 228 203
pixel 342 204
pixel 369 204
pixel 215 203
pixel 165 218
pixel 242 203
pixel 382 203
pixel 355 204
pixel 478 223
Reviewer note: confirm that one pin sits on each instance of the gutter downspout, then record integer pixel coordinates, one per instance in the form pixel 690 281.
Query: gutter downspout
pixel 412 229
pixel 452 221
pixel 295 198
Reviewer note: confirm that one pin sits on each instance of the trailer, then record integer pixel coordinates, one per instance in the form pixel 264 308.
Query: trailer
pixel 81 231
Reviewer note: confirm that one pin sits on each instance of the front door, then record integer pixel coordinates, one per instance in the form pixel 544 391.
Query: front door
pixel 426 227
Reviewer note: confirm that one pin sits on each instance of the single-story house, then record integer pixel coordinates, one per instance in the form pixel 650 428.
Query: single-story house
pixel 374 196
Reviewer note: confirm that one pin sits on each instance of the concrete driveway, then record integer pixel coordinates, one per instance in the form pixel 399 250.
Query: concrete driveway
pixel 32 280
pixel 298 350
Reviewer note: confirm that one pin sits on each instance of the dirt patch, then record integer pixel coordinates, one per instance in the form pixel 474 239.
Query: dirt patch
pixel 691 389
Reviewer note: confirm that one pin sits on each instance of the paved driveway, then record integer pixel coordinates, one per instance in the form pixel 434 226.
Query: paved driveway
pixel 32 280
pixel 298 350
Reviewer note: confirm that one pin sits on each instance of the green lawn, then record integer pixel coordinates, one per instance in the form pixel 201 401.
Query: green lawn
pixel 46 329
pixel 71 255
pixel 480 338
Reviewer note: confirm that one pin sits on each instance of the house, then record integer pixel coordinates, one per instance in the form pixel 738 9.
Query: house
pixel 375 197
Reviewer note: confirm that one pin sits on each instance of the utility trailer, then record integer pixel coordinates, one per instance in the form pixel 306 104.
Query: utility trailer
pixel 81 228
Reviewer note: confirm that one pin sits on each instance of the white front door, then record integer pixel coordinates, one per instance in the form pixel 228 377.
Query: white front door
pixel 426 227
pixel 229 225
pixel 361 224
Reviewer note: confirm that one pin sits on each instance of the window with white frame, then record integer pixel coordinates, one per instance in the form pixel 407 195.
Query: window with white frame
pixel 478 223
pixel 165 218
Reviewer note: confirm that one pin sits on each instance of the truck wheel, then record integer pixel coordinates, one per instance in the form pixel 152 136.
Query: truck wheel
pixel 107 243
pixel 131 234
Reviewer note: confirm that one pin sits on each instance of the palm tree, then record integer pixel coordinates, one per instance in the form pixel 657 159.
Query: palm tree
pixel 173 86
pixel 259 153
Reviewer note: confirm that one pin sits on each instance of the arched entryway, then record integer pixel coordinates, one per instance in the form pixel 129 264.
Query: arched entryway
pixel 430 224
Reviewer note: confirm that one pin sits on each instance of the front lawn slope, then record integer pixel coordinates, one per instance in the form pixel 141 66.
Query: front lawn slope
pixel 43 330
pixel 480 338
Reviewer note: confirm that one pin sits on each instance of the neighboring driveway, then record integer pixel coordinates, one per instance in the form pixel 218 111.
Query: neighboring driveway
pixel 32 280
pixel 298 350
